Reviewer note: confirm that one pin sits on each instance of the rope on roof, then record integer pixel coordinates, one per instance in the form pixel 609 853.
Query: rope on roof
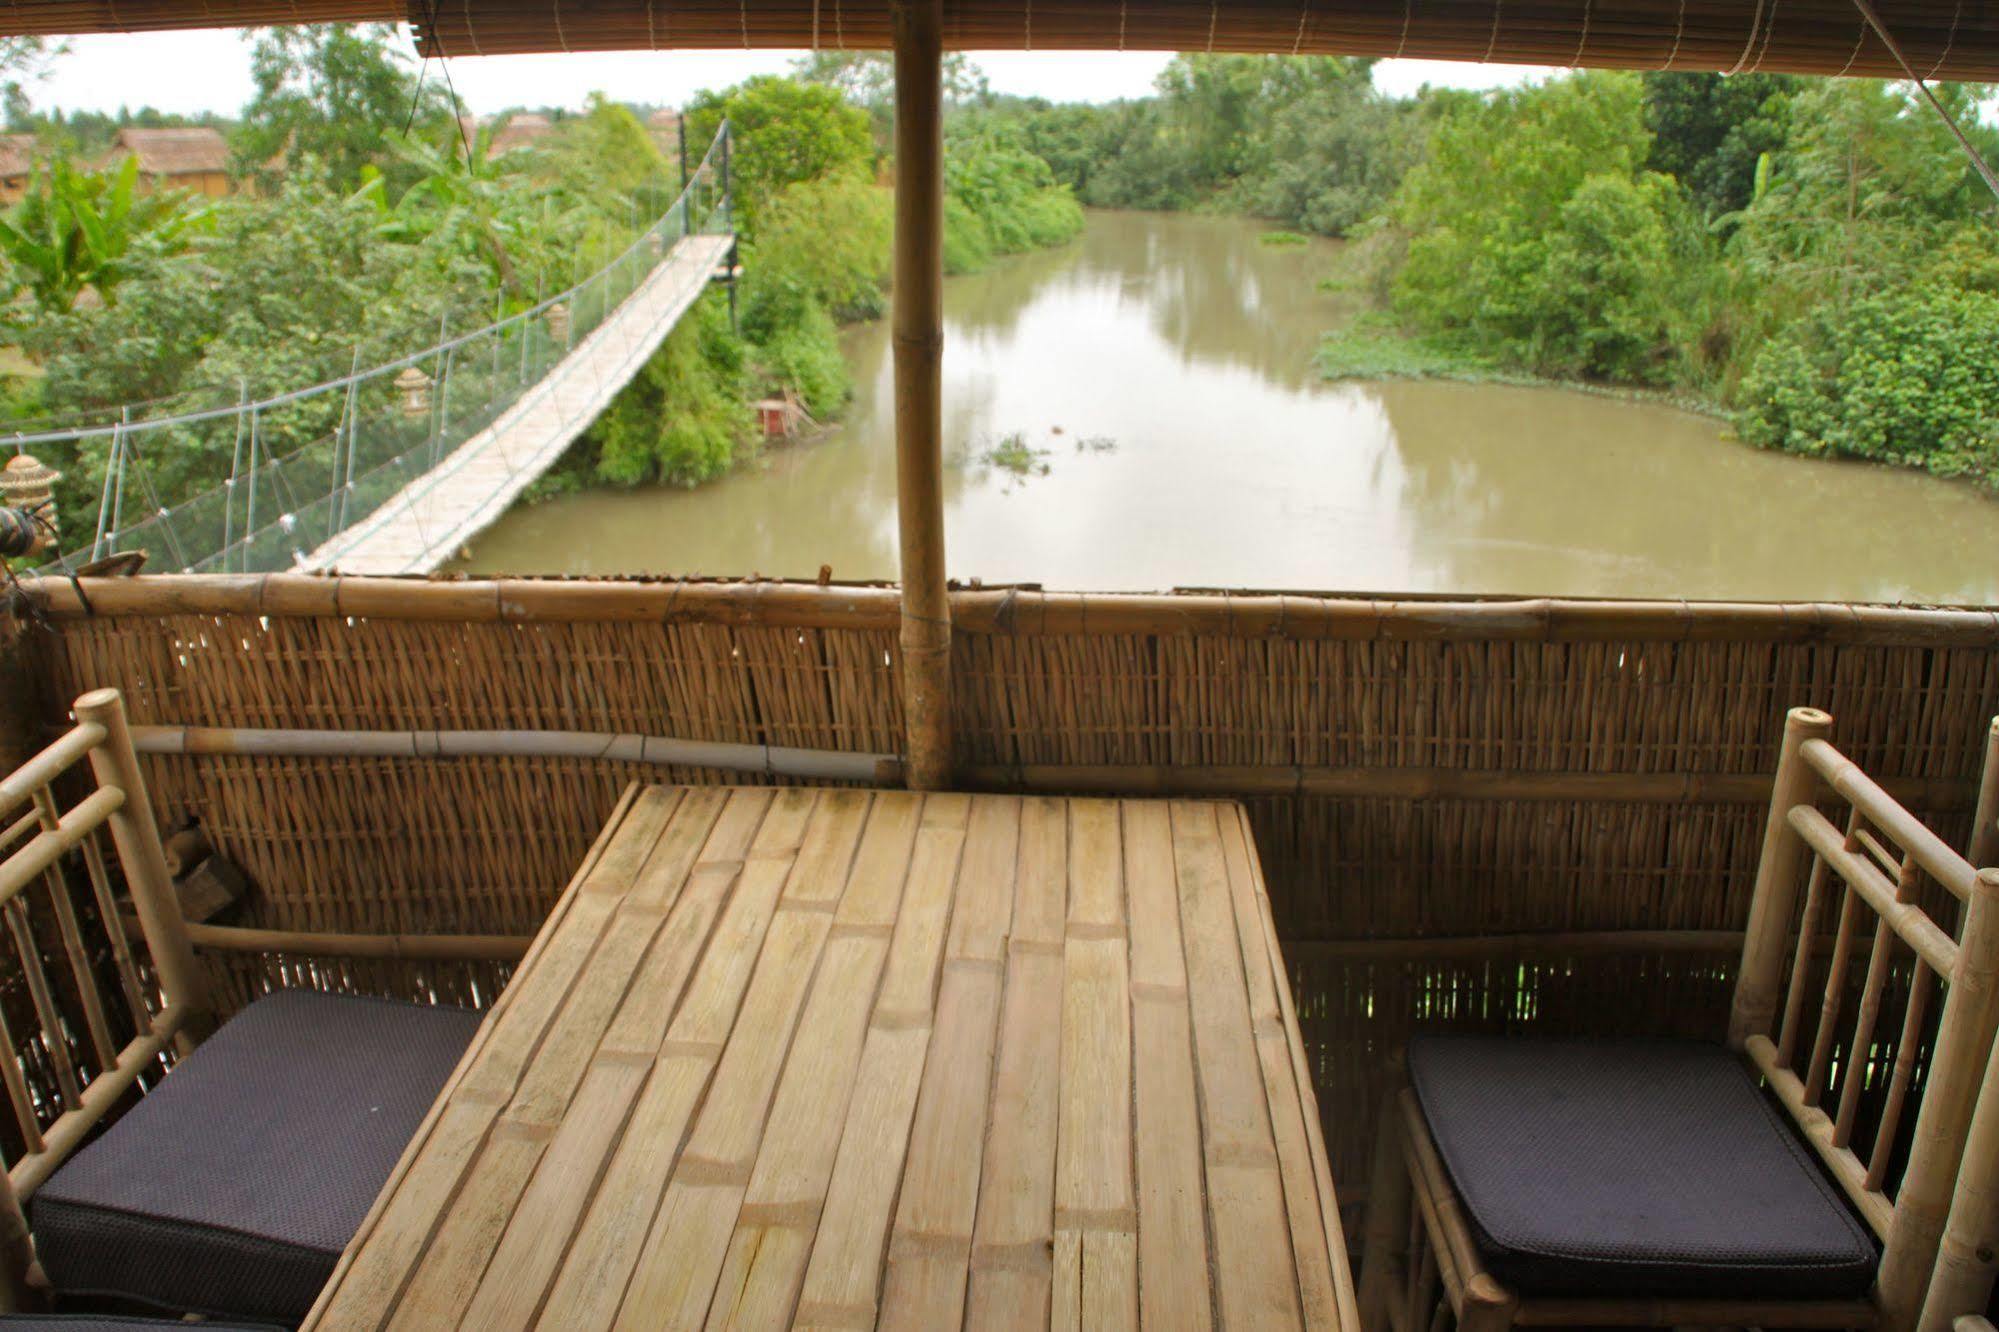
pixel 1680 31
pixel 1978 161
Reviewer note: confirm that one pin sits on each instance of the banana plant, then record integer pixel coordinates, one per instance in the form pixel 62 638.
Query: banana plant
pixel 76 229
pixel 469 189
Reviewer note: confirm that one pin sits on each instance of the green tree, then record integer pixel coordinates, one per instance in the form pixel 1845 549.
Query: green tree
pixel 1710 132
pixel 683 419
pixel 1908 376
pixel 467 192
pixel 783 132
pixel 332 92
pixel 1868 187
pixel 1536 237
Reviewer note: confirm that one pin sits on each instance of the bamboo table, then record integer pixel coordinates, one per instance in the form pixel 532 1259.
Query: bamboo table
pixel 839 1058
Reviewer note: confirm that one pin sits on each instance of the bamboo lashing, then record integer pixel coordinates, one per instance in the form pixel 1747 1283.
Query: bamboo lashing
pixel 918 335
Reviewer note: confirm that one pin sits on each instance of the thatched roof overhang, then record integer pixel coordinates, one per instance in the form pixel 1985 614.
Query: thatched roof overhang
pixel 1946 39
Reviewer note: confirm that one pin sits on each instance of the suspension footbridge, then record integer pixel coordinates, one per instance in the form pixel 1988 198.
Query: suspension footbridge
pixel 395 466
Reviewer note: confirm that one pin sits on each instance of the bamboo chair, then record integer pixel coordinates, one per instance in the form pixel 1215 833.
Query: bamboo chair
pixel 231 1186
pixel 1422 1237
pixel 167 1006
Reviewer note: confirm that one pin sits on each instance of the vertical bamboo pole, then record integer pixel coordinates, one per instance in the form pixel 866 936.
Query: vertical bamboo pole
pixel 138 840
pixel 1968 1255
pixel 1945 1128
pixel 1984 848
pixel 919 416
pixel 1762 969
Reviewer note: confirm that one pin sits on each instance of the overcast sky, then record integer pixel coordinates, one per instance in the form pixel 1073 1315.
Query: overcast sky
pixel 210 71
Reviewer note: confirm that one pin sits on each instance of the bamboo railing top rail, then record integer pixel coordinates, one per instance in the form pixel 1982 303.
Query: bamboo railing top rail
pixel 1013 611
pixel 1942 38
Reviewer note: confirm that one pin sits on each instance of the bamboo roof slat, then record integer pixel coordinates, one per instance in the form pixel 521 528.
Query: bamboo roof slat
pixel 1942 39
pixel 858 1121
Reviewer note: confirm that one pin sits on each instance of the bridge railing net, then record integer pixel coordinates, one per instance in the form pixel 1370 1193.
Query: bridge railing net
pixel 369 435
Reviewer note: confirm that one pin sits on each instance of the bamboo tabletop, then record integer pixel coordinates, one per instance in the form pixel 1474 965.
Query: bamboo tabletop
pixel 844 1058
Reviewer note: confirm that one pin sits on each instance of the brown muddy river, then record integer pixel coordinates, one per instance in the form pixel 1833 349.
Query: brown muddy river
pixel 1160 371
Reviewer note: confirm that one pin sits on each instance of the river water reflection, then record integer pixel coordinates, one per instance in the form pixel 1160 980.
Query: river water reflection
pixel 1160 368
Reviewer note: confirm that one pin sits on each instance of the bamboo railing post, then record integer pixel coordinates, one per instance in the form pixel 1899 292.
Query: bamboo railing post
pixel 1968 1254
pixel 1984 847
pixel 137 838
pixel 919 416
pixel 1945 1125
pixel 1758 979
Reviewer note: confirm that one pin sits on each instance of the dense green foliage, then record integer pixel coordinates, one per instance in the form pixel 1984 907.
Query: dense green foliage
pixel 1814 256
pixel 374 218
pixel 1908 376
pixel 1303 140
pixel 786 133
pixel 79 230
pixel 680 421
pixel 815 229
pixel 1686 232
pixel 1536 234
pixel 332 93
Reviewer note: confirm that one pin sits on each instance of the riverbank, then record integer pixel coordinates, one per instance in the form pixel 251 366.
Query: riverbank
pixel 1160 374
pixel 1371 350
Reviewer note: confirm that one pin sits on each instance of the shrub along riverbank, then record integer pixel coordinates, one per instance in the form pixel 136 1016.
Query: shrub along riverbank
pixel 1812 257
pixel 814 223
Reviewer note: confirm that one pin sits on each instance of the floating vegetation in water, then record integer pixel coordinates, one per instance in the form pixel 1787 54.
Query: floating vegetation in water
pixel 1012 454
pixel 1284 238
pixel 1095 444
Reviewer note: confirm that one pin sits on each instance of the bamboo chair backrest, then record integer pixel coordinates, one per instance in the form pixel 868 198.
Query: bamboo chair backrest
pixel 164 1004
pixel 1876 867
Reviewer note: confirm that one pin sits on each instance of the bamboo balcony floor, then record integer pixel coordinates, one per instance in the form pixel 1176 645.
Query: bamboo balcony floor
pixel 843 1058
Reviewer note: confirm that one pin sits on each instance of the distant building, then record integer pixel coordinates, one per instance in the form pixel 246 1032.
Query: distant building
pixel 521 130
pixel 17 162
pixel 195 159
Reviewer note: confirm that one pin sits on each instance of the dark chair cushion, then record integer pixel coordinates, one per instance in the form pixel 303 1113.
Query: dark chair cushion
pixel 232 1187
pixel 1650 1169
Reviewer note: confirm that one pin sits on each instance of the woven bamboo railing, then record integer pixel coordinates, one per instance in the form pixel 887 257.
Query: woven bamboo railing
pixel 1428 781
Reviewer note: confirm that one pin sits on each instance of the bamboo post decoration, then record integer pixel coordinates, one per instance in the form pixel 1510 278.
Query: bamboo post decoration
pixel 919 413
pixel 137 838
pixel 1963 1047
pixel 1763 945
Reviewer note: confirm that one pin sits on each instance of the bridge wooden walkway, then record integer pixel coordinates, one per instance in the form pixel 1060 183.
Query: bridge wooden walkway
pixel 429 521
